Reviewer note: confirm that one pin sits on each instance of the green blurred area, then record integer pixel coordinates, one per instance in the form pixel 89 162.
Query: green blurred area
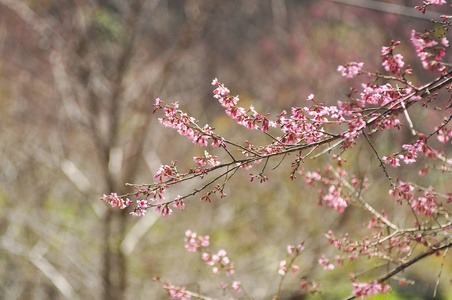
pixel 77 84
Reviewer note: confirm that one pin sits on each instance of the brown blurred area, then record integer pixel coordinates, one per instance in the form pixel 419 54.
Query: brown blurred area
pixel 77 84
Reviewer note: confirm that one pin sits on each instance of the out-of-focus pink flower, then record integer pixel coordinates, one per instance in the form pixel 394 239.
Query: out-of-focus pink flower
pixel 282 268
pixel 325 262
pixel 237 286
pixel 350 70
pixel 367 289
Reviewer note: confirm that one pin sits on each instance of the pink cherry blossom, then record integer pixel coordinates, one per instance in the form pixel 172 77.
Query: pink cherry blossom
pixel 367 289
pixel 115 201
pixel 195 242
pixel 207 159
pixel 350 70
pixel 335 199
pixel 292 250
pixel 179 202
pixel 237 286
pixel 176 292
pixel 164 209
pixel 392 160
pixel 437 2
pixel 282 268
pixel 327 265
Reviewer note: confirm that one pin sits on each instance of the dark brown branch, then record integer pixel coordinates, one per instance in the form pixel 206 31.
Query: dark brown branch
pixel 430 251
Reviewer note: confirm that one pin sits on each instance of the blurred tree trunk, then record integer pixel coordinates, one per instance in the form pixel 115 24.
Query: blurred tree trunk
pixel 101 89
pixel 114 271
pixel 86 71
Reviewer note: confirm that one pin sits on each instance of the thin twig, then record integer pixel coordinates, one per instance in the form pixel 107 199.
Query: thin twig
pixel 335 144
pixel 407 116
pixel 198 296
pixel 440 271
pixel 280 162
pixel 366 205
pixel 382 165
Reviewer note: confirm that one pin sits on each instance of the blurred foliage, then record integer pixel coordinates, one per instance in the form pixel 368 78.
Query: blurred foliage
pixel 108 25
pixel 73 74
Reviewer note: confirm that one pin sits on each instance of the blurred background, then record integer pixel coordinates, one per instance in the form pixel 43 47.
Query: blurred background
pixel 77 84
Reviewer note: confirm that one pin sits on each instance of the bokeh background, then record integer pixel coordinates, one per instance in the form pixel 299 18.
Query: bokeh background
pixel 77 84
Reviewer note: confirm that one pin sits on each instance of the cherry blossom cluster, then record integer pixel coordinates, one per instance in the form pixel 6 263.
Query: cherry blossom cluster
pixel 332 182
pixel 371 247
pixel 353 249
pixel 168 173
pixel 392 63
pixel 312 287
pixel 176 292
pixel 383 95
pixel 115 201
pixel 287 265
pixel 186 125
pixel 195 242
pixel 425 204
pixel 306 124
pixel 409 154
pixel 219 261
pixel 260 177
pixel 164 209
pixel 216 189
pixel 207 159
pixel 401 243
pixel 154 195
pixel 199 243
pixel 427 3
pixel 436 2
pixel 368 289
pixel 294 252
pixel 430 52
pixel 374 245
pixel 386 95
pixel 140 208
pixel 236 285
pixel 444 134
pixel 246 117
pixel 327 264
pixel 350 70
